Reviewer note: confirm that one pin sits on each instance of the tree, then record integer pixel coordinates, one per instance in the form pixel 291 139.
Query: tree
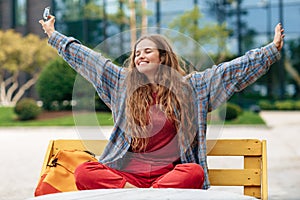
pixel 223 10
pixel 91 23
pixel 20 55
pixel 207 34
pixel 131 5
pixel 58 78
pixel 138 17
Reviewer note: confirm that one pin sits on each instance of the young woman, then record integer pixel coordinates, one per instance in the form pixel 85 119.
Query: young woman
pixel 160 113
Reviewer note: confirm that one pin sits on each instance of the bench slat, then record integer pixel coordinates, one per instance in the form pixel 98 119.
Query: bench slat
pixel 234 177
pixel 95 146
pixel 246 147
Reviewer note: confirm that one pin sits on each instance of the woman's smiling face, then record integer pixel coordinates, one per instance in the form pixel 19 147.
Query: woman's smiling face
pixel 147 58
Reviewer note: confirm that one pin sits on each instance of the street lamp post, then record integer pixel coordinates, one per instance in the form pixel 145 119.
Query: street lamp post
pixel 267 5
pixel 158 14
pixel 281 75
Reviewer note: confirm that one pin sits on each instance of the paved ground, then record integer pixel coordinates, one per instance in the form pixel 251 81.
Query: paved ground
pixel 23 149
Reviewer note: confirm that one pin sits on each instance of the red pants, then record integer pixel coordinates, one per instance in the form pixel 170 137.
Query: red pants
pixel 94 175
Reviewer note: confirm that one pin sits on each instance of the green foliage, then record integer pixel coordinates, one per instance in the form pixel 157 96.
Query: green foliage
pixel 21 56
pixel 247 117
pixel 284 105
pixel 55 85
pixel 100 105
pixel 230 111
pixel 280 105
pixel 92 11
pixel 27 109
pixel 18 53
pixel 86 98
pixel 210 33
pixel 297 105
pixel 55 89
pixel 266 105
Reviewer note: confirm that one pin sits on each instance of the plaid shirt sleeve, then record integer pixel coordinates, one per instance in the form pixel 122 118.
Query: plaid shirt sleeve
pixel 98 70
pixel 221 81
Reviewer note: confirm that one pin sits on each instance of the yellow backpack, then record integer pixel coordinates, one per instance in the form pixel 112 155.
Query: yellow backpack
pixel 59 174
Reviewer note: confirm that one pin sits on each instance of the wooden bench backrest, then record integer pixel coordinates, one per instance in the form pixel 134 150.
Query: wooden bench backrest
pixel 253 176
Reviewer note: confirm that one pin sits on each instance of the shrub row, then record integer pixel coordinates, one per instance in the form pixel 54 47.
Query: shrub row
pixel 280 105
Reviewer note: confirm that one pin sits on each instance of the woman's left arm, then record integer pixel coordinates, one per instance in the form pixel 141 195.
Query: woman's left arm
pixel 222 81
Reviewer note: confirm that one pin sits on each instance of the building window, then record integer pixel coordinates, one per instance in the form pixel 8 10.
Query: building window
pixel 20 8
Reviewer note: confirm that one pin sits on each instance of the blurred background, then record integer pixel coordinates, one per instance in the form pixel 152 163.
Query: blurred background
pixel 225 28
pixel 33 77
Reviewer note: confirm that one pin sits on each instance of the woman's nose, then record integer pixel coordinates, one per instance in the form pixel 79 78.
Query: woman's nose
pixel 142 55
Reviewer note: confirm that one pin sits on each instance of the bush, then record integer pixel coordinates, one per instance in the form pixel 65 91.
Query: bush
pixel 230 111
pixel 297 105
pixel 27 109
pixel 284 105
pixel 55 88
pixel 100 105
pixel 55 85
pixel 266 105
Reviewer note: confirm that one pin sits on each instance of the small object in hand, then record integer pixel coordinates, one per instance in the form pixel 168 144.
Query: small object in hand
pixel 46 14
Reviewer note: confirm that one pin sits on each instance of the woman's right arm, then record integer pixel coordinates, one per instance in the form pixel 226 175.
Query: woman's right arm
pixel 98 70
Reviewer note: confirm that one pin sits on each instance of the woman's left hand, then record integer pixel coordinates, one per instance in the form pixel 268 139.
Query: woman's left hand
pixel 279 36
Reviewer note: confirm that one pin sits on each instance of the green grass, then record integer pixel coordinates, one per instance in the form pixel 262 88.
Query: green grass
pixel 8 118
pixel 246 118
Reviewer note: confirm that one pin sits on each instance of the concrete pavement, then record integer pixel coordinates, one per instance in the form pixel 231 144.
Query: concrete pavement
pixel 23 149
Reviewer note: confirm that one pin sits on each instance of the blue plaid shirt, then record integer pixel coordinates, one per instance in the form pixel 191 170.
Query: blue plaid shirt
pixel 212 87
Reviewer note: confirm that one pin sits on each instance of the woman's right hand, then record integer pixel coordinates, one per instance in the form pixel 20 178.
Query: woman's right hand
pixel 48 26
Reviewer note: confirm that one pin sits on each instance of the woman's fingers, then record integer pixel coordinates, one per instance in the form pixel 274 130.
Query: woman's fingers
pixel 48 26
pixel 278 37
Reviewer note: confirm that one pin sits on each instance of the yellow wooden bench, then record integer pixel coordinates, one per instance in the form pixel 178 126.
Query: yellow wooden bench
pixel 253 177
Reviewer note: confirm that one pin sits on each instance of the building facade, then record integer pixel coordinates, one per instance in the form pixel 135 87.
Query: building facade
pixel 22 15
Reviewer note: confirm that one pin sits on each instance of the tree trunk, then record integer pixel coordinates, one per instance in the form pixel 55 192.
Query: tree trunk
pixel 292 71
pixel 144 17
pixel 132 21
pixel 10 95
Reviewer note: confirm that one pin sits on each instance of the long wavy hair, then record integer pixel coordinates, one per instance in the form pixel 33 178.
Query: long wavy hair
pixel 173 96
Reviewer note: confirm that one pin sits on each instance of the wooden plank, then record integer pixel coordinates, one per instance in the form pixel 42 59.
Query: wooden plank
pixel 253 162
pixel 234 177
pixel 264 181
pixel 254 191
pixel 95 146
pixel 251 147
pixel 47 157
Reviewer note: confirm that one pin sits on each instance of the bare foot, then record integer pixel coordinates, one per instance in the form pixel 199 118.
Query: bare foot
pixel 128 185
pixel 279 36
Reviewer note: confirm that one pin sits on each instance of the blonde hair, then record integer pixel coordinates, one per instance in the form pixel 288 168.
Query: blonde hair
pixel 174 96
